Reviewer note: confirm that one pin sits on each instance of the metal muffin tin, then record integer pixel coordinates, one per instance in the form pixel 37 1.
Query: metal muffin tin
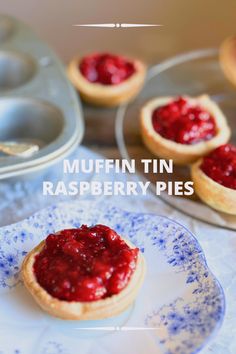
pixel 37 102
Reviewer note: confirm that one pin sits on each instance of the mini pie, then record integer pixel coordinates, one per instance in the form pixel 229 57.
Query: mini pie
pixel 228 58
pixel 214 179
pixel 106 79
pixel 183 128
pixel 87 273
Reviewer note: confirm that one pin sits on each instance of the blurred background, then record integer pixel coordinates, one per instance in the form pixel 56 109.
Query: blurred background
pixel 187 24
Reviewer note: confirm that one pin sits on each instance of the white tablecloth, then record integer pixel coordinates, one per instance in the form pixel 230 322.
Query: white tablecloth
pixel 19 199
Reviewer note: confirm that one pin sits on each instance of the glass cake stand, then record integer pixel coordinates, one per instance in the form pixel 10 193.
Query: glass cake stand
pixel 193 73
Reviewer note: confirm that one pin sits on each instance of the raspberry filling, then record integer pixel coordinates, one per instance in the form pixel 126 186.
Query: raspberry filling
pixel 106 69
pixel 220 165
pixel 85 264
pixel 183 122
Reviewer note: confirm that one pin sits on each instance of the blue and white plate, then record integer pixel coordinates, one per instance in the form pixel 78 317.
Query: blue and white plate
pixel 180 306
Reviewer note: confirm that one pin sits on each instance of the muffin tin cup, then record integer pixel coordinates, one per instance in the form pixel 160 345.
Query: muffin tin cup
pixel 37 104
pixel 15 69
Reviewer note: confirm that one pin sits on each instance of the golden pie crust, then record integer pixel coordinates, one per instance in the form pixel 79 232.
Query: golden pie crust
pixel 107 95
pixel 94 310
pixel 212 193
pixel 228 58
pixel 182 153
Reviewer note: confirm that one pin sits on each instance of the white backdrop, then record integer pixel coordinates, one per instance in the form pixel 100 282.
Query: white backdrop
pixel 187 24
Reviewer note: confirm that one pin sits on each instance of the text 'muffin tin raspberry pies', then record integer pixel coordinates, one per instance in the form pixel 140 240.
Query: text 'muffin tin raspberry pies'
pixel 183 128
pixel 107 79
pixel 87 273
pixel 214 179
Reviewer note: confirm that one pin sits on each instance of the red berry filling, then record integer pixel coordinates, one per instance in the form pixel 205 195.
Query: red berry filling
pixel 183 122
pixel 220 165
pixel 85 264
pixel 106 69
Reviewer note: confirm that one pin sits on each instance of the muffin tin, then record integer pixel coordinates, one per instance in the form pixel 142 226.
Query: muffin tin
pixel 37 102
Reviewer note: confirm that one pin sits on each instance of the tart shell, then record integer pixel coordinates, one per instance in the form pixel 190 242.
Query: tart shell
pixel 228 59
pixel 94 310
pixel 182 153
pixel 212 193
pixel 107 95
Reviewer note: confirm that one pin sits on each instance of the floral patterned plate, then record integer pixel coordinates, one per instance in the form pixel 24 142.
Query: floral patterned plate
pixel 180 306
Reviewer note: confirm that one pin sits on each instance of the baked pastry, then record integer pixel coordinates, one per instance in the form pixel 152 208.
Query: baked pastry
pixel 84 274
pixel 183 128
pixel 106 79
pixel 214 179
pixel 228 58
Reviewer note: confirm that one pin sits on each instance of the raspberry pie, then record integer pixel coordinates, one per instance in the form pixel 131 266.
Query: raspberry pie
pixel 214 179
pixel 228 58
pixel 106 79
pixel 84 274
pixel 183 128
